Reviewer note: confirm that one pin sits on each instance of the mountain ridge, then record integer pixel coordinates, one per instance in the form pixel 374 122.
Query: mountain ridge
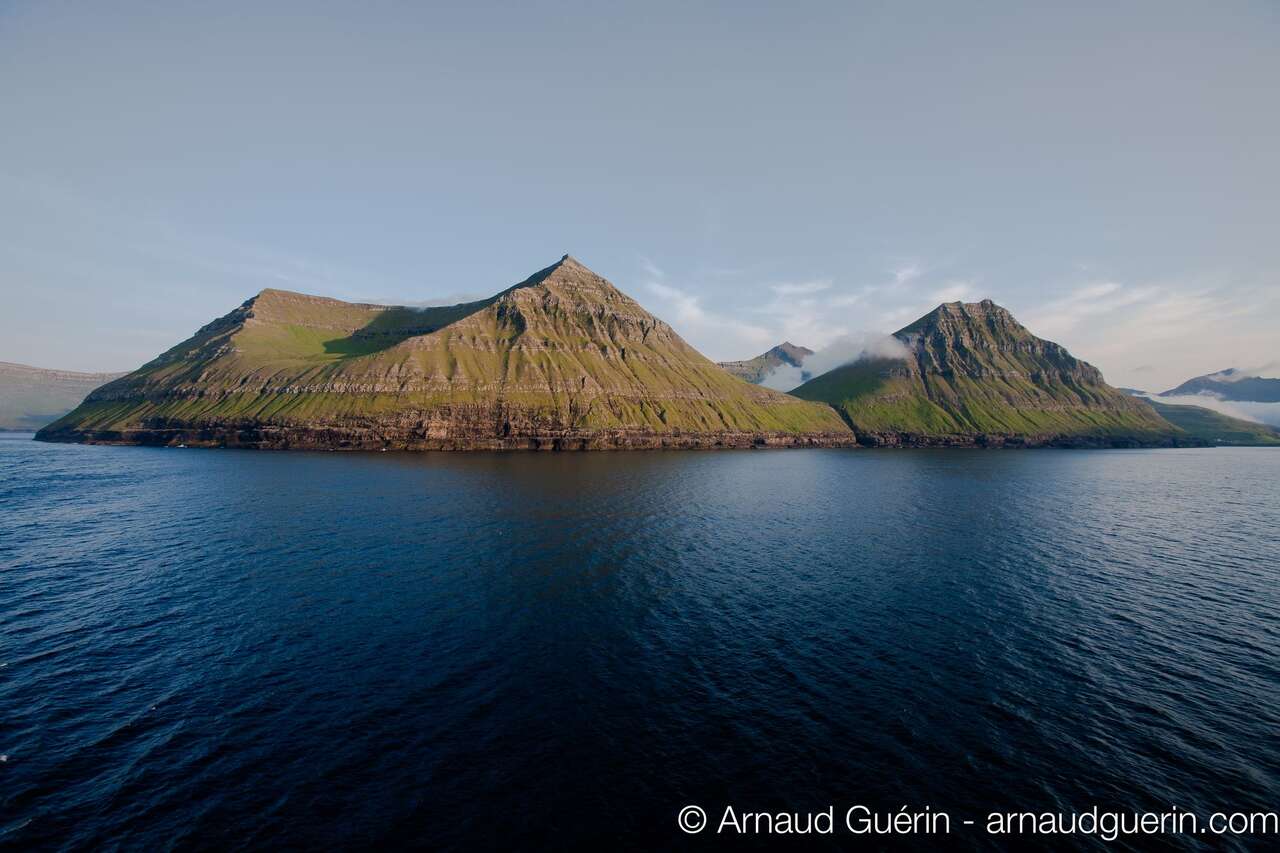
pixel 975 376
pixel 562 359
pixel 756 370
pixel 565 360
pixel 1232 384
pixel 32 397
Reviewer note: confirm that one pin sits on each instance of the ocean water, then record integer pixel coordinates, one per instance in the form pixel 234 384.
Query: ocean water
pixel 227 650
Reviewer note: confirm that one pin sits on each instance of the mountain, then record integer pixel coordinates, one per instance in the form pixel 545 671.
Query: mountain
pixel 31 397
pixel 561 360
pixel 975 376
pixel 1215 427
pixel 1230 384
pixel 756 370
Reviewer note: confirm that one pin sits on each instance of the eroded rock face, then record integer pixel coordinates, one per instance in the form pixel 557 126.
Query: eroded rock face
pixel 971 375
pixel 464 427
pixel 380 437
pixel 982 340
pixel 563 359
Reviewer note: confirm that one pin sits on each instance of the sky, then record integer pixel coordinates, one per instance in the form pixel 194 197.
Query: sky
pixel 1110 172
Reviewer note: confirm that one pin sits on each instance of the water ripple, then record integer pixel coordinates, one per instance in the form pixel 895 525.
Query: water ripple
pixel 256 650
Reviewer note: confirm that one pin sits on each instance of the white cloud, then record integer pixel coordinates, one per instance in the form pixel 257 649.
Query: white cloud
pixel 1266 370
pixel 1157 335
pixel 1265 413
pixel 1085 302
pixel 954 291
pixel 815 312
pixel 800 288
pixel 889 312
pixel 651 269
pixel 844 350
pixel 801 313
pixel 906 274
pixel 708 331
pixel 1148 334
pixel 784 378
pixel 849 300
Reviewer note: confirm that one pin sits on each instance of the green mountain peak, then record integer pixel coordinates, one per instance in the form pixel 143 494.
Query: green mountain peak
pixel 561 359
pixel 972 374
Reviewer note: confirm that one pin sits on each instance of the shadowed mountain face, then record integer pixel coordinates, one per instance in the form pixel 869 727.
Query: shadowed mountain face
pixel 756 370
pixel 1230 384
pixel 975 375
pixel 31 397
pixel 562 359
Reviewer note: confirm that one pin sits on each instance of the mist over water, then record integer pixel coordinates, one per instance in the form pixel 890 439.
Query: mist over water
pixel 222 649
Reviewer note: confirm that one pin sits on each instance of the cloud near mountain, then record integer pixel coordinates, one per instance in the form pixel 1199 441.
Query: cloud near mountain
pixel 562 359
pixel 845 350
pixel 1140 331
pixel 1247 393
pixel 1248 410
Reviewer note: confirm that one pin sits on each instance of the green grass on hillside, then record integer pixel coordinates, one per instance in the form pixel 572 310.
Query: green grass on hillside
pixel 565 354
pixel 1216 427
pixel 883 396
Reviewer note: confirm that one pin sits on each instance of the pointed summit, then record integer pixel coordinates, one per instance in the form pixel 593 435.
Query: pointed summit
pixel 562 359
pixel 974 316
pixel 569 288
pixel 567 269
pixel 570 267
pixel 757 370
pixel 972 374
pixel 790 353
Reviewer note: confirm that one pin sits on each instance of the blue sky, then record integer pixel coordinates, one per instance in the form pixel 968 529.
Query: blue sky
pixel 1108 171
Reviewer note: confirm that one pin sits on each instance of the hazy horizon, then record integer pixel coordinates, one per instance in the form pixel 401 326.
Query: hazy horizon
pixel 750 175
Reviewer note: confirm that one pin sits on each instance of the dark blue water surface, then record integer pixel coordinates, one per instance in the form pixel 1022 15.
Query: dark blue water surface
pixel 228 649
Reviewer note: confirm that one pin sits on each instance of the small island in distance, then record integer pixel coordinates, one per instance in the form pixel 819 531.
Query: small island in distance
pixel 564 360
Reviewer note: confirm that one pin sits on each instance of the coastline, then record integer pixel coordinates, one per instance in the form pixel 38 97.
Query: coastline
pixel 282 438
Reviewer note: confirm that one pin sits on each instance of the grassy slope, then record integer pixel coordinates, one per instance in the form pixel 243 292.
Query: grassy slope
pixel 901 397
pixel 568 349
pixel 1216 427
pixel 877 400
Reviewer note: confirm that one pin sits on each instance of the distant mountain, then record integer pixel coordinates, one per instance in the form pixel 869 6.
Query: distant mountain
pixel 1230 384
pixel 975 376
pixel 1215 427
pixel 561 360
pixel 31 397
pixel 756 370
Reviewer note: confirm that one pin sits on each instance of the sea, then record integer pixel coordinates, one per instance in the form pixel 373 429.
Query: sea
pixel 228 650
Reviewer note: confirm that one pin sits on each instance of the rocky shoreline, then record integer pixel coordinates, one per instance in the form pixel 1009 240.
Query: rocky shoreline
pixel 1014 442
pixel 257 436
pixel 265 437
pixel 565 361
